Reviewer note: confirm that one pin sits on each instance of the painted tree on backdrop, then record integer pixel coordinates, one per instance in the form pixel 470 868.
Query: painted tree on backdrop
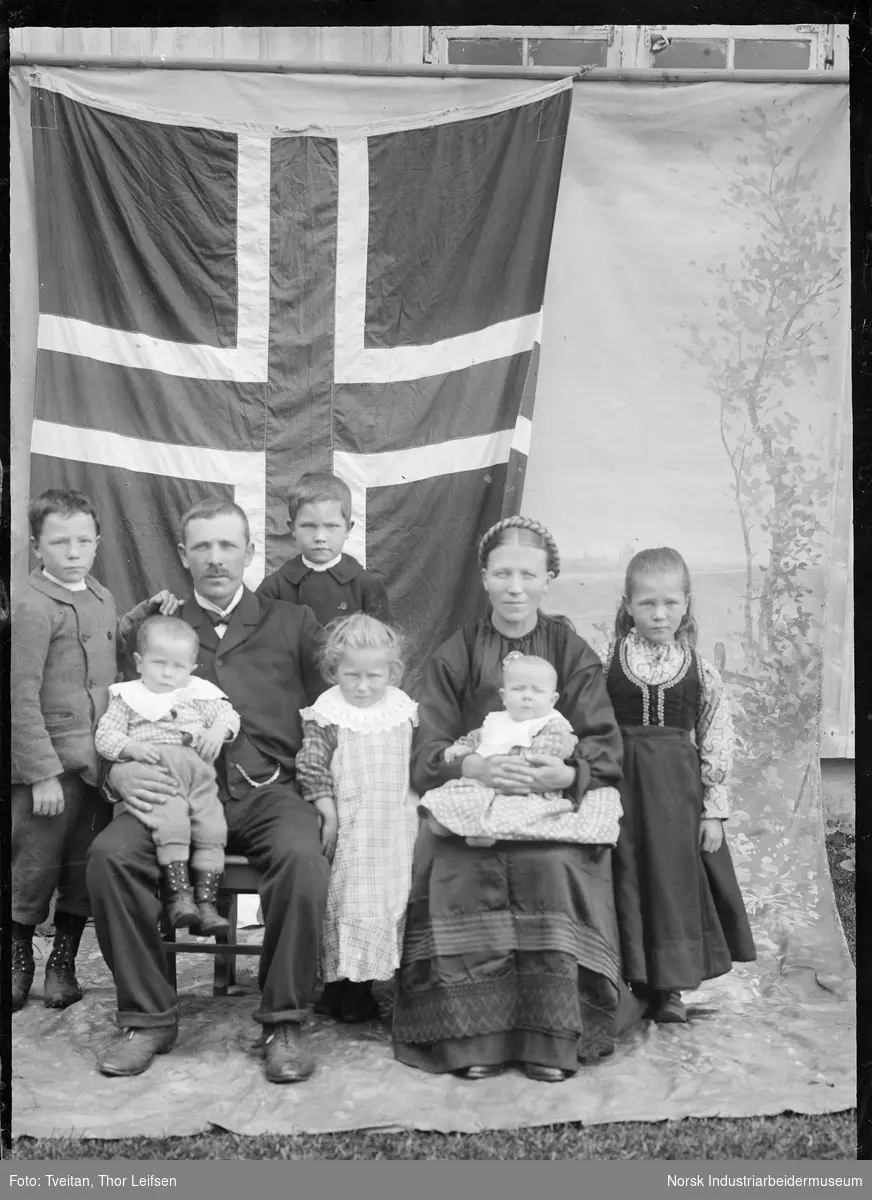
pixel 775 300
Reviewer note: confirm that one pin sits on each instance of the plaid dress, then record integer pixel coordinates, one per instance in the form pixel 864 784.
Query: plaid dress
pixel 360 758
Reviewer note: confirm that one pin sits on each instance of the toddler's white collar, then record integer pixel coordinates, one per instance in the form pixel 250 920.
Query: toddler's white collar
pixel 154 706
pixel 331 708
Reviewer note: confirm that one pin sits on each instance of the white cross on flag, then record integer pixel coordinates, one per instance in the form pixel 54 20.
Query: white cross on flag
pixel 221 311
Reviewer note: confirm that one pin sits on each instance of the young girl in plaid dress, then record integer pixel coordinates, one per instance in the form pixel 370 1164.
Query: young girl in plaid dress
pixel 354 767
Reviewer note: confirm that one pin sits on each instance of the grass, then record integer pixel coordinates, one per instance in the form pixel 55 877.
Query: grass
pixel 783 1137
pixel 787 1136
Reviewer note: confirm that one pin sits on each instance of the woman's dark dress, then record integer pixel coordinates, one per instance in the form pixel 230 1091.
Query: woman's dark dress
pixel 510 952
pixel 680 912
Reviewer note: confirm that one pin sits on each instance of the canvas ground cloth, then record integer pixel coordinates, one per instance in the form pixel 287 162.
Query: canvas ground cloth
pixel 659 325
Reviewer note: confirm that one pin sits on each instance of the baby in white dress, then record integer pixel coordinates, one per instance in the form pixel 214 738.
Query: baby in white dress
pixel 528 724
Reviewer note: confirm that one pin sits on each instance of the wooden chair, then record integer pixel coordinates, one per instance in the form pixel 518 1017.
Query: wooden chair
pixel 240 878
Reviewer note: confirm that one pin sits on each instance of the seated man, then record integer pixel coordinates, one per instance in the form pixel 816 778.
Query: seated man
pixel 262 654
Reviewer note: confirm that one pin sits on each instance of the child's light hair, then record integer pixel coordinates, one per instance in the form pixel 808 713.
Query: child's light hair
pixel 175 627
pixel 658 561
pixel 360 632
pixel 515 659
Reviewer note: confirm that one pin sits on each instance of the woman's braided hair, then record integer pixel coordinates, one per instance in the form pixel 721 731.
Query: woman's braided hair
pixel 497 535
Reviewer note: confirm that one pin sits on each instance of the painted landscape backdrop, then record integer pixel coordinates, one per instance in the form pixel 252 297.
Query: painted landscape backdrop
pixel 693 392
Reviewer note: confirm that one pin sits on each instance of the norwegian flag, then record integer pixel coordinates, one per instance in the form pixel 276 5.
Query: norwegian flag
pixel 222 311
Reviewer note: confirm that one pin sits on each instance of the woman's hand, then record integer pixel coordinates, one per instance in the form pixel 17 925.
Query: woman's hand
pixel 505 773
pixel 711 834
pixel 550 773
pixel 142 788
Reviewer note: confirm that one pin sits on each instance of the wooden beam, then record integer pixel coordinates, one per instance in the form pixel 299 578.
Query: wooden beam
pixel 431 70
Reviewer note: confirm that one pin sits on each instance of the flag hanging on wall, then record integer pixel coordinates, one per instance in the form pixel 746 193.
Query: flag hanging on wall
pixel 221 311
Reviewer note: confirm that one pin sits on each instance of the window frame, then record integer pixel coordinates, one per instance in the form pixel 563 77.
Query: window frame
pixel 629 46
pixel 442 35
pixel 821 39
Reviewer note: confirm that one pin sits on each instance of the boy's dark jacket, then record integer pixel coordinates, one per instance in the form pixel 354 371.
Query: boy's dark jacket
pixel 337 592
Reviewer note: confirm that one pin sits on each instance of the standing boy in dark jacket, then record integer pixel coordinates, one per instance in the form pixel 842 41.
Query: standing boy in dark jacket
pixel 321 577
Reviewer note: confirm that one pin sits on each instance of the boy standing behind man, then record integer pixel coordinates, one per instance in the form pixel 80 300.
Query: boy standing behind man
pixel 321 576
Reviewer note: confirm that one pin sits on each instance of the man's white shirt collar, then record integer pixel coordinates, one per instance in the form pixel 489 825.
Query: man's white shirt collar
pixel 322 566
pixel 204 603
pixel 81 586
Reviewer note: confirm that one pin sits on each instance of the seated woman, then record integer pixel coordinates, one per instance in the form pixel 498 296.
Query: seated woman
pixel 511 951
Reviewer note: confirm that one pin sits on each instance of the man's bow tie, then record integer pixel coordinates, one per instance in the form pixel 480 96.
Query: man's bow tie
pixel 216 618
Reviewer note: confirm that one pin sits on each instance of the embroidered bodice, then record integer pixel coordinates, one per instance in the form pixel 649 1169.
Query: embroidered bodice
pixel 672 685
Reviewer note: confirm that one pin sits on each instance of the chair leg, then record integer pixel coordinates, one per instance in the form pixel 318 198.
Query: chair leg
pixel 225 964
pixel 233 918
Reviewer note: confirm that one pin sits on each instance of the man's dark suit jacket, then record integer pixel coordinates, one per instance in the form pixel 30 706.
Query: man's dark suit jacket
pixel 266 664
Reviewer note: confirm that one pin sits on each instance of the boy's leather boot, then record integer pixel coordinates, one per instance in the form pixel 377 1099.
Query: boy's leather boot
pixel 22 971
pixel 61 986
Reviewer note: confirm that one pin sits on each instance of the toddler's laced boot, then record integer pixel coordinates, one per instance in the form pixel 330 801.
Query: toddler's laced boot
pixel 179 896
pixel 209 920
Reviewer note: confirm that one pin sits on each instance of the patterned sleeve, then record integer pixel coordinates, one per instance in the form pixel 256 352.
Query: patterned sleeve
pixel 113 730
pixel 313 760
pixel 463 745
pixel 715 742
pixel 220 710
pixel 606 652
pixel 555 738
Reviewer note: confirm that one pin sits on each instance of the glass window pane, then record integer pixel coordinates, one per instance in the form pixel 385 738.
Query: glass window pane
pixel 562 52
pixel 697 53
pixel 777 55
pixel 503 52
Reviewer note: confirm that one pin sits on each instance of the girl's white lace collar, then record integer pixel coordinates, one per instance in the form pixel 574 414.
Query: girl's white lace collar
pixel 154 706
pixel 331 708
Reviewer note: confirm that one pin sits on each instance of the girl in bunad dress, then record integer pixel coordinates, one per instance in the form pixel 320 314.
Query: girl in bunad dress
pixel 680 912
pixel 354 767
